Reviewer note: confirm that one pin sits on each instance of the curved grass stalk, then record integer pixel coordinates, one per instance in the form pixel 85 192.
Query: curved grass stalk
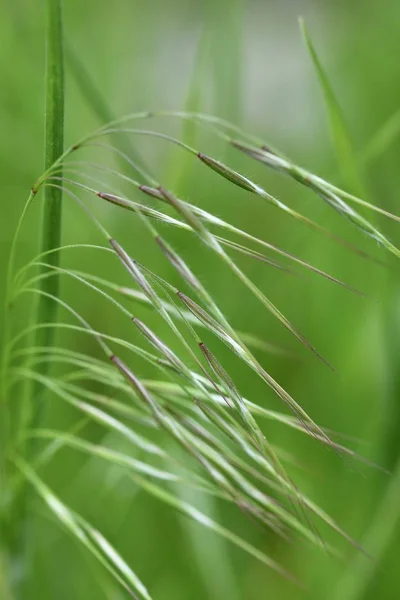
pixel 101 371
pixel 248 338
pixel 177 432
pixel 208 218
pixel 221 452
pixel 90 537
pixel 152 338
pixel 169 355
pixel 96 541
pixel 227 173
pixel 218 125
pixel 212 220
pixel 147 288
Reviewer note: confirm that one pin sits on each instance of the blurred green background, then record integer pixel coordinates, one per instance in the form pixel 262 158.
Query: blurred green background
pixel 244 61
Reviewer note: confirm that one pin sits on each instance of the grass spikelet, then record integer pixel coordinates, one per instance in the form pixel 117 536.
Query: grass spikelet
pixel 341 139
pixel 329 194
pixel 229 174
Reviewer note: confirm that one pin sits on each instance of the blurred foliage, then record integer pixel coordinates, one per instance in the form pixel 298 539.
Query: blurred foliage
pixel 245 61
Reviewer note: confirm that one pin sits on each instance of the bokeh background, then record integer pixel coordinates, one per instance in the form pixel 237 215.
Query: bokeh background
pixel 243 60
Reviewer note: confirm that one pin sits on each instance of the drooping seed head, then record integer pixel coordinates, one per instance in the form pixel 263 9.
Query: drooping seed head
pixel 229 173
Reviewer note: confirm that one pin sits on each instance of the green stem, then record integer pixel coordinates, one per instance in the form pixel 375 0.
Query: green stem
pixel 54 144
pixel 51 216
pixel 15 538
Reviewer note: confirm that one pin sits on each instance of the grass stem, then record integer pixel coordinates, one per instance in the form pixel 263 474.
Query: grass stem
pixel 50 236
pixel 13 510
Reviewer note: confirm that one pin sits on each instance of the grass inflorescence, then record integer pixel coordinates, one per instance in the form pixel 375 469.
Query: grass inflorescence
pixel 192 399
pixel 163 382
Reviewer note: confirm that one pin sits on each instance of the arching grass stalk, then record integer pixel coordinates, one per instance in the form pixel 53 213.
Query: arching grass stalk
pixel 5 562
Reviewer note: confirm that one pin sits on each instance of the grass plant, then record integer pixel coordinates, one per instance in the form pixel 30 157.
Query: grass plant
pixel 151 393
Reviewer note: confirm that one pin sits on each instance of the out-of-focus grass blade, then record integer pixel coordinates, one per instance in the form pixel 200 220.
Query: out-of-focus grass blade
pixel 381 140
pixel 340 135
pixel 98 103
pixel 87 86
pixel 226 20
pixel 117 458
pixel 211 553
pixel 201 518
pixel 90 537
pixel 99 415
pixel 180 166
pixel 357 578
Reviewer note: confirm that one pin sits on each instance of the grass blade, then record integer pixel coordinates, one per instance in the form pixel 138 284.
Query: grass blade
pixel 87 535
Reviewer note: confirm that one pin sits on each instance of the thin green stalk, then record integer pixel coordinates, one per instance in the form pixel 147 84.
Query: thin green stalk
pixel 5 421
pixel 54 144
pixel 14 521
